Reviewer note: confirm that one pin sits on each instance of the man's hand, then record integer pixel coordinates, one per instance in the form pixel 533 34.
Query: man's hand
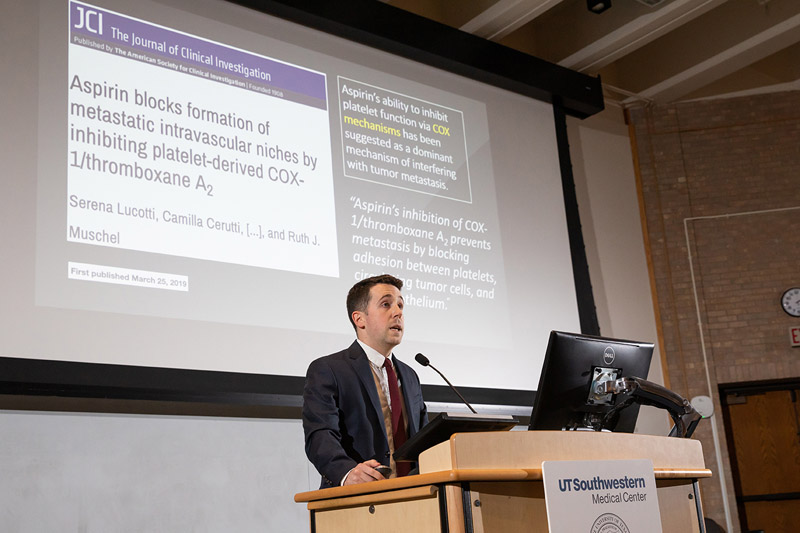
pixel 363 473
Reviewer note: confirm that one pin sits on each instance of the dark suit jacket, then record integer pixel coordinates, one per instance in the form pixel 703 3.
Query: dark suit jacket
pixel 342 417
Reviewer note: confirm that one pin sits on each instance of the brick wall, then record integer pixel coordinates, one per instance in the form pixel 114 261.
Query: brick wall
pixel 720 186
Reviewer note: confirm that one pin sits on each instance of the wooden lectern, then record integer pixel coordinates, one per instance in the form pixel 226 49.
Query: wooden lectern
pixel 492 482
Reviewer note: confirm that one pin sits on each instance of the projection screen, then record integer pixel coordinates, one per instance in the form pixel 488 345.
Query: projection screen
pixel 196 185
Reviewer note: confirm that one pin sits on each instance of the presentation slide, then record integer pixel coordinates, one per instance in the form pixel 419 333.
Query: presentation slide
pixel 204 183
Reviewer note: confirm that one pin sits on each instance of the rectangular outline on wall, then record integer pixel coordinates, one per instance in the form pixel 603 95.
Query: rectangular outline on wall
pixel 341 132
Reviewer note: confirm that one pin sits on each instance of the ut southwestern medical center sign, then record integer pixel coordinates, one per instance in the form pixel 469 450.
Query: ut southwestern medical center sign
pixel 601 496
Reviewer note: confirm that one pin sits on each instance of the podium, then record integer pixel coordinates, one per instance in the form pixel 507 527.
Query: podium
pixel 490 482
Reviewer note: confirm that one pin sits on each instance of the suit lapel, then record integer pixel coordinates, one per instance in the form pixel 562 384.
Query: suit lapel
pixel 362 368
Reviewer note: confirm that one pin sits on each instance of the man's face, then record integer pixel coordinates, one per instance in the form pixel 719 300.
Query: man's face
pixel 381 325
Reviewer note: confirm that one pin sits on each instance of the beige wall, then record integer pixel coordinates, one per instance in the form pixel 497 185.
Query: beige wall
pixel 605 185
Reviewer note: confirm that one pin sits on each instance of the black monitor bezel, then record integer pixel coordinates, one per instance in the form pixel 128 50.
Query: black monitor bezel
pixel 562 392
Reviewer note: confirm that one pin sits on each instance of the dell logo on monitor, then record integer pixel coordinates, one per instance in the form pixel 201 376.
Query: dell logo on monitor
pixel 608 355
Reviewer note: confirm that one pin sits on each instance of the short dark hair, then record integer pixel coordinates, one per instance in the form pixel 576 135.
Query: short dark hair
pixel 358 297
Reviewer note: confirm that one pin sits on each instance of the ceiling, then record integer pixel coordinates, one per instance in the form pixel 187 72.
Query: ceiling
pixel 645 51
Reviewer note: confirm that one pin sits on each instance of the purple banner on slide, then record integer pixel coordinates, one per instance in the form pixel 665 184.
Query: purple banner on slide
pixel 132 34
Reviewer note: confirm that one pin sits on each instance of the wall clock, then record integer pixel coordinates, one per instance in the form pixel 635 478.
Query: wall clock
pixel 790 301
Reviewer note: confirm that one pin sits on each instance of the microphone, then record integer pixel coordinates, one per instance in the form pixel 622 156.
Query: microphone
pixel 421 359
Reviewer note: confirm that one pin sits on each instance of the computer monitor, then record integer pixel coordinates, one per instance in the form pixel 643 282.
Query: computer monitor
pixel 574 365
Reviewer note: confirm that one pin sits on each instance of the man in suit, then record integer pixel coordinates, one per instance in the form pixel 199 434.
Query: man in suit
pixel 351 418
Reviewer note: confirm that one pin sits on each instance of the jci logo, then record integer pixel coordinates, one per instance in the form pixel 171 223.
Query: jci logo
pixel 90 19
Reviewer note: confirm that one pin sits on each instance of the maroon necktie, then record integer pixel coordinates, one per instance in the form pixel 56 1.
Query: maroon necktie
pixel 398 422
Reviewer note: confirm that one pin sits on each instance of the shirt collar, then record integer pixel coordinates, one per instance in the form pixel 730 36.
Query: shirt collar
pixel 374 357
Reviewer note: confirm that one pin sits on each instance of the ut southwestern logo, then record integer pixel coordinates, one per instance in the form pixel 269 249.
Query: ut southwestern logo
pixel 609 355
pixel 609 523
pixel 599 483
pixel 90 19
